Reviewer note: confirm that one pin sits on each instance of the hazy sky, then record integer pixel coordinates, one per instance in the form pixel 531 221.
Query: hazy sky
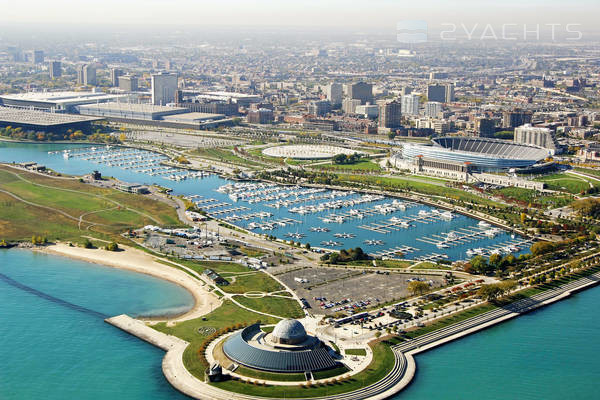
pixel 304 13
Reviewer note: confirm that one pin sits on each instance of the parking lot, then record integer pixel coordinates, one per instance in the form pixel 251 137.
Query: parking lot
pixel 333 290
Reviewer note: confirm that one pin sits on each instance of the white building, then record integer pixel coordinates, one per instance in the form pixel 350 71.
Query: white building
pixel 410 104
pixel 335 93
pixel 536 136
pixel 367 110
pixel 164 86
pixel 433 109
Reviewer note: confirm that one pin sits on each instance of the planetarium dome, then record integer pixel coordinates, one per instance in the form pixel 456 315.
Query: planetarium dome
pixel 288 331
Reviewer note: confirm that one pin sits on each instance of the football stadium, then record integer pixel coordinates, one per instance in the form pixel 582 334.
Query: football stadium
pixel 481 154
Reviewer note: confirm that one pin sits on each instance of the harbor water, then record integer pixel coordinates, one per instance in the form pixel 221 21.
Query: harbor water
pixel 329 219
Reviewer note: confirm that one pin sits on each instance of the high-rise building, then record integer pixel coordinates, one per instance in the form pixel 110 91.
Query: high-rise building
pixel 36 57
pixel 390 115
pixel 164 86
pixel 410 104
pixel 55 69
pixel 335 93
pixel 436 93
pixel 320 108
pixel 360 91
pixel 349 105
pixel 449 93
pixel 512 119
pixel 441 93
pixel 128 83
pixel 536 136
pixel 115 73
pixel 86 74
pixel 433 109
pixel 406 90
pixel 485 127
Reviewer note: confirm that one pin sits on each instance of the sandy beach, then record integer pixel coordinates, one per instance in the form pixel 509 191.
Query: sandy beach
pixel 136 260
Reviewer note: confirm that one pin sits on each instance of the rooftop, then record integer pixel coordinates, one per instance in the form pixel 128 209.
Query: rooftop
pixel 30 117
pixel 65 97
pixel 131 107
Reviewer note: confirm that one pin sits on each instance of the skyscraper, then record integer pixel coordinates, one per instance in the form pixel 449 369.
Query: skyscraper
pixel 433 109
pixel 115 73
pixel 449 92
pixel 511 119
pixel 55 69
pixel 335 93
pixel 436 93
pixel 86 74
pixel 37 57
pixel 128 83
pixel 164 86
pixel 319 108
pixel 360 91
pixel 410 104
pixel 485 127
pixel 390 115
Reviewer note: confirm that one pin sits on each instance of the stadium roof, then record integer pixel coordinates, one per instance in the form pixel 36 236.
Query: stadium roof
pixel 40 118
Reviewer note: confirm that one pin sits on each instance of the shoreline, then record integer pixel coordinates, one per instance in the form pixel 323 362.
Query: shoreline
pixel 134 260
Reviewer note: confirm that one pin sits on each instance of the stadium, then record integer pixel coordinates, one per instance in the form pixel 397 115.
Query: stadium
pixel 482 154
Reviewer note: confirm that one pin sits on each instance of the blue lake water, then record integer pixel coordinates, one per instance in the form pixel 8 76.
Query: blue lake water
pixel 549 354
pixel 54 343
pixel 421 235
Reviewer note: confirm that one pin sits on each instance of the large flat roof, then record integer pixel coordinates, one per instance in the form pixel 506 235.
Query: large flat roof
pixel 63 98
pixel 41 118
pixel 132 107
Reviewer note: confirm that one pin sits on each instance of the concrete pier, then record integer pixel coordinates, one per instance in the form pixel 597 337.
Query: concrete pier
pixel 139 329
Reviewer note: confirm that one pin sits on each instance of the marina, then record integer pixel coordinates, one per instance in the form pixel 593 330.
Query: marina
pixel 338 218
pixel 139 161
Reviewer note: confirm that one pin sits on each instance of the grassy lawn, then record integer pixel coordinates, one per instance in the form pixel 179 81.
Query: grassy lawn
pixel 383 361
pixel 355 352
pixel 225 316
pixel 330 373
pixel 429 265
pixel 19 221
pixel 270 376
pixel 396 184
pixel 362 165
pixel 224 155
pixel 258 281
pixel 589 171
pixel 567 183
pixel 286 308
pixel 217 266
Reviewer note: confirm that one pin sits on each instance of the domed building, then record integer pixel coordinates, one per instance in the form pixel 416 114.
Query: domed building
pixel 287 349
pixel 288 331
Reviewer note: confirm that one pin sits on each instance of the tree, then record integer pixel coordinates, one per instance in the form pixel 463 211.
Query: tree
pixel 539 248
pixel 307 246
pixel 113 246
pixel 418 288
pixel 490 292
